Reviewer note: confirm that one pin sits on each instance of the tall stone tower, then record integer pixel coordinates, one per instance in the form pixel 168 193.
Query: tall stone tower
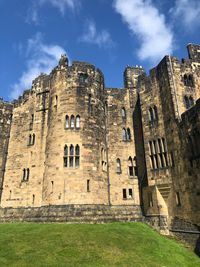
pixel 76 136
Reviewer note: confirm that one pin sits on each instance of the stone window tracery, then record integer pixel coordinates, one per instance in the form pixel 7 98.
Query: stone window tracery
pixel 71 156
pixel 188 80
pixel 189 101
pixel 153 115
pixel 158 154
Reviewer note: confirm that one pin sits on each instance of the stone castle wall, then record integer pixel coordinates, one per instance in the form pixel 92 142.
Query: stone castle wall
pixel 74 142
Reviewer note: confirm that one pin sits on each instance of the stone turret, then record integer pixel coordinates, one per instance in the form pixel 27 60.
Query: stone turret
pixel 131 75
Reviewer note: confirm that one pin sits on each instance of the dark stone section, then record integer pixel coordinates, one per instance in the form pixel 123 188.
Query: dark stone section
pixel 73 214
pixel 158 222
pixel 187 232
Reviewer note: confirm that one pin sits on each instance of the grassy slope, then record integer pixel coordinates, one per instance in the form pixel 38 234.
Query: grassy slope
pixel 116 244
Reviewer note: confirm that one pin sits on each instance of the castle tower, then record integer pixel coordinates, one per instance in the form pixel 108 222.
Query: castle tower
pixel 76 137
pixel 26 151
pixel 5 123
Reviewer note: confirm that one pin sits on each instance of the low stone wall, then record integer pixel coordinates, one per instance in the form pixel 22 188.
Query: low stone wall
pixel 158 222
pixel 187 232
pixel 72 214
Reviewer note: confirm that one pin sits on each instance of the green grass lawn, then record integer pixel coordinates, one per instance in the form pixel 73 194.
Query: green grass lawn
pixel 115 244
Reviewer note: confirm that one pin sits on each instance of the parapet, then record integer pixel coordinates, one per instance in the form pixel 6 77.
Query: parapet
pixel 194 52
pixel 131 75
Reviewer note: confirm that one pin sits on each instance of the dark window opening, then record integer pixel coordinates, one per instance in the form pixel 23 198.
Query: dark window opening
pixel 88 185
pixel 130 193
pixel 33 199
pixel 123 113
pixel 118 166
pixel 72 122
pixel 128 135
pixel 124 193
pixel 178 200
pixel 89 103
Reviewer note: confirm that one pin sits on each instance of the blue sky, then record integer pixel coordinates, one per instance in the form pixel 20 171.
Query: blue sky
pixel 108 33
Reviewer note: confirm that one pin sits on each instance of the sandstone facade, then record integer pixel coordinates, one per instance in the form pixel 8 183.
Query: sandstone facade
pixel 74 142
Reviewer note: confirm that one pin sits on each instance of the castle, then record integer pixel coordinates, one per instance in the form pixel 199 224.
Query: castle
pixel 69 143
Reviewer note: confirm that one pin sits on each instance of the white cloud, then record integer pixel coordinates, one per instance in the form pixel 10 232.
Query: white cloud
pixel 91 36
pixel 145 21
pixel 62 5
pixel 41 58
pixel 187 11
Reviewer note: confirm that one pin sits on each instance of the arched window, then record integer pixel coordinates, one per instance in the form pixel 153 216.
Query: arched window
pixel 66 121
pixel 188 80
pixel 77 156
pixel 123 113
pixel 130 167
pixel 135 166
pixel 118 162
pixel 124 136
pixel 72 121
pixel 77 121
pixel 128 134
pixel 151 114
pixel 65 158
pixel 155 113
pixel 71 156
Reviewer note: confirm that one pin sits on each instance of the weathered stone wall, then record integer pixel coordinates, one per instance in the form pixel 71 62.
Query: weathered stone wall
pixel 172 190
pixel 73 214
pixel 5 123
pixel 23 179
pixel 187 232
pixel 121 147
pixel 70 96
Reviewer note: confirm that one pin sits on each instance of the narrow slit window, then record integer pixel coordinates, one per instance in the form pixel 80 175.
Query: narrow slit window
pixel 77 121
pixel 124 135
pixel 66 121
pixel 88 185
pixel 72 121
pixel 128 135
pixel 123 113
pixel 124 193
pixel 118 166
pixel 130 193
